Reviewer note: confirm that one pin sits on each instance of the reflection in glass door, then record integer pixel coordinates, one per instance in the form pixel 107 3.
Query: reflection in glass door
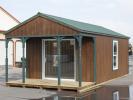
pixel 50 59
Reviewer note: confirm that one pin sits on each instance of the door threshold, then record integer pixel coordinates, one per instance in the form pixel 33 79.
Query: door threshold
pixel 73 80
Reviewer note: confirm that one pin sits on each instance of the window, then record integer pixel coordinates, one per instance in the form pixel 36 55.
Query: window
pixel 56 98
pixel 116 95
pixel 115 54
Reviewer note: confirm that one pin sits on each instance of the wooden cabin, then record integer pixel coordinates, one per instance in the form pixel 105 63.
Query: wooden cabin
pixel 68 54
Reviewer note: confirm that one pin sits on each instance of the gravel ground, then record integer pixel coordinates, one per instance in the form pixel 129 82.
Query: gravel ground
pixel 14 74
pixel 130 64
pixel 23 93
pixel 15 93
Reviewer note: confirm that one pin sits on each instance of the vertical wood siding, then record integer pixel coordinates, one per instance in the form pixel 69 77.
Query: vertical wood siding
pixel 34 58
pixel 41 27
pixel 104 58
pixel 87 60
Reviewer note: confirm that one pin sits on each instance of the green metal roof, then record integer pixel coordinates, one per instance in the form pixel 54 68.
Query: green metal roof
pixel 85 27
pixel 79 26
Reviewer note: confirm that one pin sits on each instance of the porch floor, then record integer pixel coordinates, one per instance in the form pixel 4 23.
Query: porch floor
pixel 53 84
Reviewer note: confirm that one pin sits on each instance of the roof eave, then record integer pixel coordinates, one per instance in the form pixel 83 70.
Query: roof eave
pixel 103 34
pixel 22 23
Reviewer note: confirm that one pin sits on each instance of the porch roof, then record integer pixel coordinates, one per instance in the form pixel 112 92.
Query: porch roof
pixel 81 27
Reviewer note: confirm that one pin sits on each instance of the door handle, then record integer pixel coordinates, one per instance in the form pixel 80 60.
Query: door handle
pixel 55 60
pixel 45 60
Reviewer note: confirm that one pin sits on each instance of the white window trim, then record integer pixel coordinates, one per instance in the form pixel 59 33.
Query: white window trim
pixel 116 93
pixel 115 67
pixel 43 61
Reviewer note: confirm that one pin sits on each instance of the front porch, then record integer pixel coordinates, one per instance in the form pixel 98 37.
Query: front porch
pixel 61 58
pixel 51 84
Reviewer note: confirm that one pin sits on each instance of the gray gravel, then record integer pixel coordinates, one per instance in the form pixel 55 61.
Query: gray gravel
pixel 24 93
pixel 15 93
pixel 14 74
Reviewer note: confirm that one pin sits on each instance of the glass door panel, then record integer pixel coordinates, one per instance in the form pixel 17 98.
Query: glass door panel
pixel 51 59
pixel 67 59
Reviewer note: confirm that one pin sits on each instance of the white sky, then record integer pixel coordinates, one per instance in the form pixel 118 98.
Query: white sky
pixel 113 14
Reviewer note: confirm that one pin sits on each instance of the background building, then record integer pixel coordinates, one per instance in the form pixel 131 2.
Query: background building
pixel 7 21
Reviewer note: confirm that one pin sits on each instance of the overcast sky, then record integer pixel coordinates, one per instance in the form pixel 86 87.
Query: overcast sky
pixel 113 14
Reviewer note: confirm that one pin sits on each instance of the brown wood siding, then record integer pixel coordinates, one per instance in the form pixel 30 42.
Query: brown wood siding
pixel 41 27
pixel 34 58
pixel 104 58
pixel 87 60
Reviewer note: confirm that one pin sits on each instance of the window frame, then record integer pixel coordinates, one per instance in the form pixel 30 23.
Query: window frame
pixel 115 67
pixel 116 93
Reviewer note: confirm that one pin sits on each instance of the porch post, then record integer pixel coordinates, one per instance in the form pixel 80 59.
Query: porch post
pixel 79 39
pixel 80 61
pixel 23 58
pixel 94 53
pixel 6 60
pixel 59 59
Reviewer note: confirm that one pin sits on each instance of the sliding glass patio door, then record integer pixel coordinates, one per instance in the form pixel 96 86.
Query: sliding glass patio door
pixel 50 59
